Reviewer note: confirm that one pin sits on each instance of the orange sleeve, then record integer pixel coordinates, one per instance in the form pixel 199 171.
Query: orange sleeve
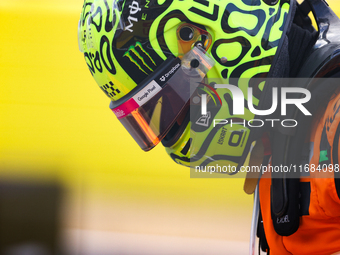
pixel 319 230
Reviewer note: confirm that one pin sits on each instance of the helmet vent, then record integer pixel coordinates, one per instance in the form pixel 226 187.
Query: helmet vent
pixel 186 33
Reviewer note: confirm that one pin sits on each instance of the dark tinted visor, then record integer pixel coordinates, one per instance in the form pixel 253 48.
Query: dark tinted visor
pixel 149 112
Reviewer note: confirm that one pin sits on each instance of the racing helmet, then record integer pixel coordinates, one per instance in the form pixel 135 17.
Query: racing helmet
pixel 154 59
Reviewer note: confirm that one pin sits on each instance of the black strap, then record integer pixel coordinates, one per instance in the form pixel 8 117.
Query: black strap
pixel 287 149
pixel 301 16
pixel 305 8
pixel 300 43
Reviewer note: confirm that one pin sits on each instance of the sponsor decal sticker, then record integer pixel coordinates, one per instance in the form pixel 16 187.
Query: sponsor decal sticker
pixel 137 100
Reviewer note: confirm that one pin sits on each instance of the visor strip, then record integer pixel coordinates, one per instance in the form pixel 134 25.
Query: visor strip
pixel 137 100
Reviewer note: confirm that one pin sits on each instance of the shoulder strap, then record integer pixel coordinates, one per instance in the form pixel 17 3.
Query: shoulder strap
pixel 286 148
pixel 328 44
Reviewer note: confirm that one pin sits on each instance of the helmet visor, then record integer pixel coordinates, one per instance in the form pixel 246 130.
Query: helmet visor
pixel 149 112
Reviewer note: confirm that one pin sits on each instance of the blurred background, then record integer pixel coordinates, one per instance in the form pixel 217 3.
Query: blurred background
pixel 72 181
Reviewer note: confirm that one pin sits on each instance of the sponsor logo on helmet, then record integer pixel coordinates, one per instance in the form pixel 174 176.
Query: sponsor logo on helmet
pixel 119 113
pixel 146 93
pixel 222 136
pixel 173 70
pixel 133 54
pixel 134 9
pixel 144 15
pixel 142 97
pixel 204 120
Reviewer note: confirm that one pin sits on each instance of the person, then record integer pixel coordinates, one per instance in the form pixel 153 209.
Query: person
pixel 177 71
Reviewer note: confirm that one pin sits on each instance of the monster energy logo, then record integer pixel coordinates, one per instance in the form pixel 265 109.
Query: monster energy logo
pixel 132 53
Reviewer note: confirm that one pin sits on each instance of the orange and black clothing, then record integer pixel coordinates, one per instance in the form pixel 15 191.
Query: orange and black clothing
pixel 319 229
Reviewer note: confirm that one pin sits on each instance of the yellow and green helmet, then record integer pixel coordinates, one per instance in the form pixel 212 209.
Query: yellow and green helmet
pixel 157 59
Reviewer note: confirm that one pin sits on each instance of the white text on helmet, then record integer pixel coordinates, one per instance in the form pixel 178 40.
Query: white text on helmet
pixel 134 9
